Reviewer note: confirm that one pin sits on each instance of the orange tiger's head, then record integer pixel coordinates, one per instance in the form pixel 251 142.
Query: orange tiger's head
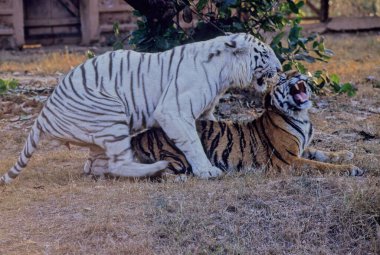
pixel 290 95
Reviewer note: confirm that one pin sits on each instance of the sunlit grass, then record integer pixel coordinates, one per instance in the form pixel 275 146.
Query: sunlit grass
pixel 47 63
pixel 355 58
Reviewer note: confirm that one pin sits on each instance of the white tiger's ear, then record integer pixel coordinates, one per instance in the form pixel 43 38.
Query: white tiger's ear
pixel 231 44
pixel 236 48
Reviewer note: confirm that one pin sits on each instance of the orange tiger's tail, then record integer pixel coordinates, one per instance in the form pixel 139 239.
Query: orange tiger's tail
pixel 29 147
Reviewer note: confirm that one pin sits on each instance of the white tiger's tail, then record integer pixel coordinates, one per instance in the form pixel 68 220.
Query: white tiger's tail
pixel 29 147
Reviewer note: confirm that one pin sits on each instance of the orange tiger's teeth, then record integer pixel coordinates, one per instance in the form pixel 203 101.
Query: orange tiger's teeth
pixel 296 86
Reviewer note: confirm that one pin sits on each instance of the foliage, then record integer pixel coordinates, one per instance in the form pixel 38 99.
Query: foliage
pixel 119 40
pixel 6 85
pixel 157 38
pixel 322 78
pixel 90 54
pixel 215 17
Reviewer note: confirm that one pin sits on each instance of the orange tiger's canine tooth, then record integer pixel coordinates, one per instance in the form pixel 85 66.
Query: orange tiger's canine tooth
pixel 297 86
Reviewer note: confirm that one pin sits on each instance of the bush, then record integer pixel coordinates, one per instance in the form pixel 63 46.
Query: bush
pixel 257 17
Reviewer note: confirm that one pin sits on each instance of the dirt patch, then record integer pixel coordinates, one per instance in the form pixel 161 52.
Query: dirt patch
pixel 52 209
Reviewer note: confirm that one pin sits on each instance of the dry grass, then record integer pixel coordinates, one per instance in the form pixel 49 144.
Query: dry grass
pixel 44 63
pixel 349 62
pixel 52 209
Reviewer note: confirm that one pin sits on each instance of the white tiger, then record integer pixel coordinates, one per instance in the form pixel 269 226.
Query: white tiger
pixel 105 101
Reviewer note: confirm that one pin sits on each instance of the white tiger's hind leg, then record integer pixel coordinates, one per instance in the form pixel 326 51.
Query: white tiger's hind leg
pixel 121 162
pixel 97 163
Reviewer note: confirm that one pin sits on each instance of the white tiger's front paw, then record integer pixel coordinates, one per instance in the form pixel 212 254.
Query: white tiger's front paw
pixel 208 173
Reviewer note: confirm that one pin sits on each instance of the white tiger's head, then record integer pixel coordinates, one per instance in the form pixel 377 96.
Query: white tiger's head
pixel 291 94
pixel 260 62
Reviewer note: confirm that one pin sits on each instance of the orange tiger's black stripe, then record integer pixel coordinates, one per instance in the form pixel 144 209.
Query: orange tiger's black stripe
pixel 275 141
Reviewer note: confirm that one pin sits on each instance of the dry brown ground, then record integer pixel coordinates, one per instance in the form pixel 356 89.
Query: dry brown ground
pixel 52 209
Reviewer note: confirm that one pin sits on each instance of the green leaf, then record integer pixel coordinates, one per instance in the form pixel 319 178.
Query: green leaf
pixel 304 56
pixel 321 47
pixel 294 34
pixel 231 2
pixel 12 84
pixel 162 43
pixel 6 85
pixel 277 38
pixel 301 68
pixel 136 13
pixel 238 26
pixel 140 24
pixel 293 7
pixel 90 54
pixel 118 45
pixel 287 66
pixel 301 44
pixel 3 86
pixel 201 4
pixel 116 29
pixel 348 88
pixel 334 78
pixel 318 73
pixel 300 4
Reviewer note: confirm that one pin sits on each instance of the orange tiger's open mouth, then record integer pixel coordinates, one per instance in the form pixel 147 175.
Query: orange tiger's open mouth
pixel 298 91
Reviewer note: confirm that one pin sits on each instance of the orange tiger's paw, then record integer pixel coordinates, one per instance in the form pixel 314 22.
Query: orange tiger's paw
pixel 356 171
pixel 346 155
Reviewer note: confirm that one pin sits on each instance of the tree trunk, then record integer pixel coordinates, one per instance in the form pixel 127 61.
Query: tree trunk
pixel 158 12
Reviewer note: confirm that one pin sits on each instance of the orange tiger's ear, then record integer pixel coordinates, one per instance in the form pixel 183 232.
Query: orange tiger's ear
pixel 290 73
pixel 282 78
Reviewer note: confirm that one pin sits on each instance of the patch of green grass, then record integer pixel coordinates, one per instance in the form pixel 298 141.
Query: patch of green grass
pixel 7 84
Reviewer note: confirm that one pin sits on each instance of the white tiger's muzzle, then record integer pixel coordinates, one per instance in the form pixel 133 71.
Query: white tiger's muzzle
pixel 261 83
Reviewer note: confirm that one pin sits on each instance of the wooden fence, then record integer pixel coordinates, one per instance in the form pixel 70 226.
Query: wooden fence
pixel 61 21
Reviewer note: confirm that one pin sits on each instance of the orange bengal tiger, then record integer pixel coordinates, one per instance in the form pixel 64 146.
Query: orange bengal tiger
pixel 276 142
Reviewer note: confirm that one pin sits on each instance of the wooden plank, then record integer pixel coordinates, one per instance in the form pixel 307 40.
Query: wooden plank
pixel 313 8
pixel 89 16
pixel 6 12
pixel 70 7
pixel 311 18
pixel 123 27
pixel 51 22
pixel 6 31
pixel 18 22
pixel 353 23
pixel 122 8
